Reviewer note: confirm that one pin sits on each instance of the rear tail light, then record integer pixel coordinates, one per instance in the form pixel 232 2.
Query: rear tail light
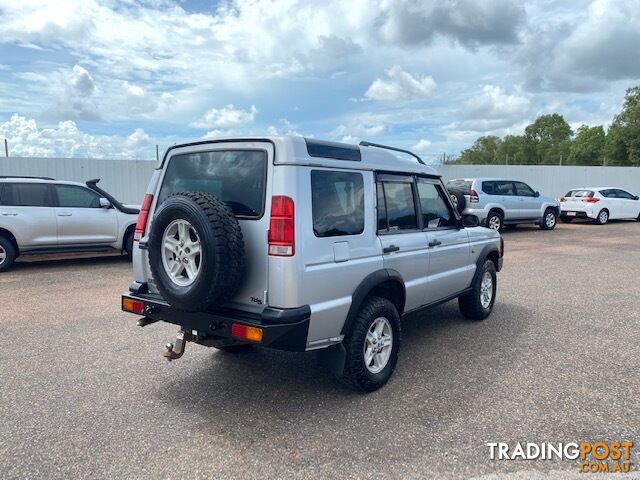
pixel 562 199
pixel 591 200
pixel 282 227
pixel 245 332
pixel 143 216
pixel 133 306
pixel 473 197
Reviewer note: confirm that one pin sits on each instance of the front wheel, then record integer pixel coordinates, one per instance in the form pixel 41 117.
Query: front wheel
pixel 372 346
pixel 478 303
pixel 549 220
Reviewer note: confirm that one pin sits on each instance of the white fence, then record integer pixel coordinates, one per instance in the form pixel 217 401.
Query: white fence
pixel 127 179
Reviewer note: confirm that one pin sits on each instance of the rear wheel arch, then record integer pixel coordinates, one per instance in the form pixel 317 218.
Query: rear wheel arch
pixel 9 236
pixel 384 283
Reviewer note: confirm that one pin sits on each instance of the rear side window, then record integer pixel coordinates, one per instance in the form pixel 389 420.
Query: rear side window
pixel 463 186
pixel 498 187
pixel 237 177
pixel 28 195
pixel 337 202
pixel 400 205
pixel 70 196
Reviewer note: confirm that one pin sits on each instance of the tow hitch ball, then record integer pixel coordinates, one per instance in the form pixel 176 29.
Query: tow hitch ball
pixel 174 352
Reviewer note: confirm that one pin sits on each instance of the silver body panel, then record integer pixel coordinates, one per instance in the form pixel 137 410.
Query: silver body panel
pixel 325 271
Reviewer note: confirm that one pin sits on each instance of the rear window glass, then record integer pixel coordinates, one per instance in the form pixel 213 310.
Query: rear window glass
pixel 337 202
pixel 463 186
pixel 237 177
pixel 579 193
pixel 27 195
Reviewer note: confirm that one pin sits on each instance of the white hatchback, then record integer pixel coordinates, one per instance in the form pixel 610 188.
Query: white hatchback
pixel 600 204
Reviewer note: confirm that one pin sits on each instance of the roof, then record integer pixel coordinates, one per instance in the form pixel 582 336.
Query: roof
pixel 296 150
pixel 19 179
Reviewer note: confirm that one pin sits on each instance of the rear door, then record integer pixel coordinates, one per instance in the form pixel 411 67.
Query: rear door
pixel 450 265
pixel 27 210
pixel 528 202
pixel 404 244
pixel 238 174
pixel 81 220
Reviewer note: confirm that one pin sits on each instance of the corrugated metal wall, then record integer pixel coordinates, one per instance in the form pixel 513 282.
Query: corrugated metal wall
pixel 127 179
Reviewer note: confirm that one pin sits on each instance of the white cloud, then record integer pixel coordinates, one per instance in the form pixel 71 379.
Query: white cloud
pixel 81 81
pixel 359 129
pixel 492 109
pixel 422 145
pixel 400 85
pixel 226 117
pixel 26 139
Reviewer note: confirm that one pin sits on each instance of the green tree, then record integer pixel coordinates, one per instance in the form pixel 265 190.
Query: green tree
pixel 625 129
pixel 551 135
pixel 588 146
pixel 615 148
pixel 482 152
pixel 516 150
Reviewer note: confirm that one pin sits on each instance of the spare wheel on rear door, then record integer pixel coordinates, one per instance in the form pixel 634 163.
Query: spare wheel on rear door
pixel 196 251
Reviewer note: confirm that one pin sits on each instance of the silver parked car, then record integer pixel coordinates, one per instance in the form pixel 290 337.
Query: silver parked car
pixel 42 215
pixel 299 244
pixel 497 202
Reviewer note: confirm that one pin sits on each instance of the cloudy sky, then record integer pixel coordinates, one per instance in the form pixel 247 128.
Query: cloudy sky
pixel 113 78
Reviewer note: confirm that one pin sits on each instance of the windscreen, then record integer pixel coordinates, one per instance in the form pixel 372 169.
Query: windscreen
pixel 463 186
pixel 236 177
pixel 579 193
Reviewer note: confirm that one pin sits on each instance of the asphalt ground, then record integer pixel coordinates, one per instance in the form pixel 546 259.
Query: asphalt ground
pixel 85 393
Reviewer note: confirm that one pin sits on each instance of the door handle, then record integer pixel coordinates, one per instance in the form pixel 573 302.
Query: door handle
pixel 64 214
pixel 390 248
pixel 9 214
pixel 434 243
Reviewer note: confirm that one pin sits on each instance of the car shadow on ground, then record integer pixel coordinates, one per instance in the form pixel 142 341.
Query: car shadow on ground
pixel 440 349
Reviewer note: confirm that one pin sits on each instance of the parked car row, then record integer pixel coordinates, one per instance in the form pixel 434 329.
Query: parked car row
pixel 498 202
pixel 41 215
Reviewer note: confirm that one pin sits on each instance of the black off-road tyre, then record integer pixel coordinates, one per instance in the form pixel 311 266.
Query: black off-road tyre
pixel 127 245
pixel 9 254
pixel 222 251
pixel 355 374
pixel 549 223
pixel 565 219
pixel 458 200
pixel 470 304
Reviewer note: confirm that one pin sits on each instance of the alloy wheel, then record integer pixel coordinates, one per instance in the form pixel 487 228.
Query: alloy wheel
pixel 550 220
pixel 378 345
pixel 494 222
pixel 181 252
pixel 3 255
pixel 486 290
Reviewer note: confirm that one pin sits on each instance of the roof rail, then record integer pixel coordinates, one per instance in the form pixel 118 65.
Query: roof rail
pixel 26 176
pixel 378 145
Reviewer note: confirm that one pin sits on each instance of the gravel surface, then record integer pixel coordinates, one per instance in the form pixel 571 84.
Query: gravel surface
pixel 84 393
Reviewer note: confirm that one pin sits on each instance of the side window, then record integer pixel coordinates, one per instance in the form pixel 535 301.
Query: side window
pixel 337 203
pixel 435 212
pixel 503 188
pixel 524 190
pixel 401 208
pixel 31 195
pixel 489 188
pixel 623 194
pixel 71 196
pixel 608 193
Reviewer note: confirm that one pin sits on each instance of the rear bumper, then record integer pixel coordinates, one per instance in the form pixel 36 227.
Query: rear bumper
pixel 478 212
pixel 282 329
pixel 576 214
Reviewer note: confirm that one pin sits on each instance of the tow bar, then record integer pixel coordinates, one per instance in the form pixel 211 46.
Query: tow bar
pixel 174 352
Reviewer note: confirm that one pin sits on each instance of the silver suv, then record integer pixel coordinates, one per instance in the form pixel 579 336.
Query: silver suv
pixel 299 244
pixel 497 202
pixel 42 215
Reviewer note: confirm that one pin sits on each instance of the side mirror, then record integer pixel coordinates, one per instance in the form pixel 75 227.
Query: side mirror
pixel 470 221
pixel 104 203
pixel 537 194
pixel 636 197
